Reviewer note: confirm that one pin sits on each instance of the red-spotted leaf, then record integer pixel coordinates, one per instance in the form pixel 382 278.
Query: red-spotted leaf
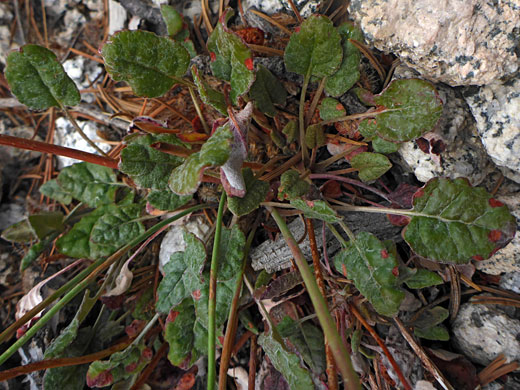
pixel 208 95
pixel 348 73
pixel 182 275
pixel 231 59
pixel 315 49
pixel 331 109
pixel 369 263
pixel 291 186
pixel 121 365
pixel 453 222
pixel 38 80
pixel 406 109
pixel 370 166
pixel 184 293
pixel 149 63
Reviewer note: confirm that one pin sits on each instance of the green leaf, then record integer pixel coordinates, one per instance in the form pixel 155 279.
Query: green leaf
pixel 65 338
pixel 291 186
pixel 185 179
pixel 431 317
pixel 150 64
pixel 184 293
pixel 267 91
pixel 231 59
pixel 89 183
pixel 286 363
pixel 453 222
pixel 331 109
pixel 178 332
pixel 38 80
pixel 314 136
pixel 370 166
pixel 52 190
pixel 117 226
pixel 317 209
pixel 308 340
pixel 423 278
pixel 102 232
pixel 148 167
pixel 256 191
pixel 409 108
pixel 46 223
pixel 33 253
pixel 290 131
pixel 435 333
pixel 172 19
pixel 348 72
pixel 207 94
pixel 369 264
pixel 382 146
pixel 167 200
pixel 121 366
pixel 182 275
pixel 20 232
pixel 315 49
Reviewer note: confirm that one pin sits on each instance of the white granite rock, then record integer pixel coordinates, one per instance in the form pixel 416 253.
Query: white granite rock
pixel 507 259
pixel 482 332
pixel 511 281
pixel 66 135
pixel 456 133
pixel 458 42
pixel 496 108
pixel 83 72
pixel 6 17
pixel 173 241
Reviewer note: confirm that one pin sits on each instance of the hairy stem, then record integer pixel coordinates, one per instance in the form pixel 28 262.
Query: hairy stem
pixel 212 302
pixel 339 351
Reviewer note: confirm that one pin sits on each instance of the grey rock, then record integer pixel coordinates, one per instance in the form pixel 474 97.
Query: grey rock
pixel 496 108
pixel 66 135
pixel 6 17
pixel 464 155
pixel 21 156
pixel 83 72
pixel 11 213
pixel 482 332
pixel 458 42
pixel 510 281
pixel 507 259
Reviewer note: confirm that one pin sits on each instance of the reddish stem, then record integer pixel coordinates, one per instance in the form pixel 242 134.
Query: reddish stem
pixel 387 353
pixel 43 147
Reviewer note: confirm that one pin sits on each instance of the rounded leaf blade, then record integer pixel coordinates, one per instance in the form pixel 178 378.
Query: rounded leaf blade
pixel 38 80
pixel 453 222
pixel 147 62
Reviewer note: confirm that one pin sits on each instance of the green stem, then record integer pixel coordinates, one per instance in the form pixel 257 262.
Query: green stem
pixel 301 116
pixel 80 131
pixel 338 236
pixel 339 351
pixel 80 283
pixel 199 111
pixel 212 301
pixel 233 316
